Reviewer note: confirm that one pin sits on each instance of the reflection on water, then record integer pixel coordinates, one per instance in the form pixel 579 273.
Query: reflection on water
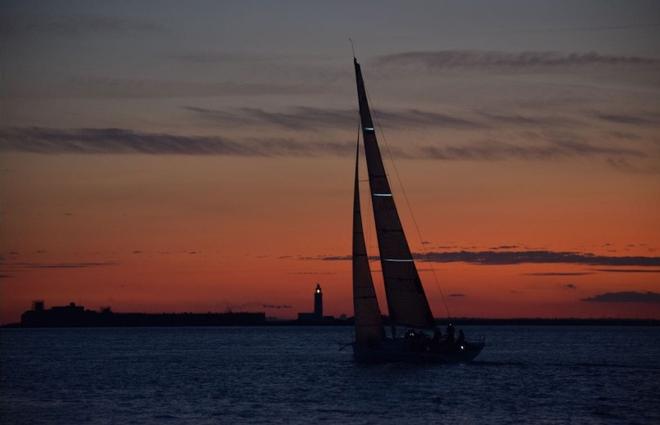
pixel 298 375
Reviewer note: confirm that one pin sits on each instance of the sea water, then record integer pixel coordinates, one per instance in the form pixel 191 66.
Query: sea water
pixel 299 375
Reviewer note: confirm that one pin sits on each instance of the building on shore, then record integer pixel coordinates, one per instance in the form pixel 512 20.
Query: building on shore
pixel 73 315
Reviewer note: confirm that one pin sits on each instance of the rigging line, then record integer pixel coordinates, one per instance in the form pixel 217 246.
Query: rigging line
pixel 412 215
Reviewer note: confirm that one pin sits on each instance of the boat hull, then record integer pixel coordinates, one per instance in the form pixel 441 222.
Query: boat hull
pixel 391 351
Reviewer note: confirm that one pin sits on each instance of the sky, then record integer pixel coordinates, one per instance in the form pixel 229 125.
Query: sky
pixel 162 156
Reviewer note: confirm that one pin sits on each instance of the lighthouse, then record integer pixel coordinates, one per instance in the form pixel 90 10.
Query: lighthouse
pixel 316 316
pixel 318 302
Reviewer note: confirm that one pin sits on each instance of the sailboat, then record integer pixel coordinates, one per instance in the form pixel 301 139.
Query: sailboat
pixel 407 304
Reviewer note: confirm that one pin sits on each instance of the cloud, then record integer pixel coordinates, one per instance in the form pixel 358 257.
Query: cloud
pixel 625 297
pixel 538 257
pixel 443 60
pixel 624 165
pixel 500 118
pixel 145 88
pixel 44 140
pixel 276 306
pixel 496 150
pixel 73 26
pixel 123 141
pixel 218 57
pixel 629 270
pixel 308 118
pixel 645 119
pixel 78 265
pixel 296 119
pixel 253 304
pixel 458 295
pixel 558 274
pixel 416 117
pixel 570 286
pixel 489 258
pixel 585 28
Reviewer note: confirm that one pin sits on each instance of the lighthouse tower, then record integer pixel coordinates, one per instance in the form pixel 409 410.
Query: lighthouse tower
pixel 318 302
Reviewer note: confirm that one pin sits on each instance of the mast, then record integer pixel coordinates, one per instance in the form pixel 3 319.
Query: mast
pixel 406 300
pixel 368 323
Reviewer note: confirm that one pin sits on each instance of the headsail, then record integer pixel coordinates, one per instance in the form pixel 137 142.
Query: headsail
pixel 406 300
pixel 368 322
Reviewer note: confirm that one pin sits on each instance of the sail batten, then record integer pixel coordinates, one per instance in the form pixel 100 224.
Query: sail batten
pixel 406 300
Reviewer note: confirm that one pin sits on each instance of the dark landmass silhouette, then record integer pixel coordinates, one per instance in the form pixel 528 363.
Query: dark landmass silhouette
pixel 74 315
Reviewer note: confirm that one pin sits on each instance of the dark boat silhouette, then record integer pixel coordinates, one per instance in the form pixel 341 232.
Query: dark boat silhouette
pixel 406 301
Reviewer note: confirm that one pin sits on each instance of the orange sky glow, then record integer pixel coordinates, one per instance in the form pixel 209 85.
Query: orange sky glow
pixel 181 159
pixel 184 233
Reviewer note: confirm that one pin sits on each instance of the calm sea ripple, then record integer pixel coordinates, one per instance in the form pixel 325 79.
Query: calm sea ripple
pixel 298 375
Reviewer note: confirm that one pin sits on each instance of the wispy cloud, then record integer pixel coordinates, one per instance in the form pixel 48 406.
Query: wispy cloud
pixel 252 304
pixel 145 88
pixel 73 265
pixel 123 141
pixel 558 274
pixel 625 297
pixel 215 57
pixel 570 286
pixel 126 141
pixel 488 258
pixel 629 270
pixel 557 147
pixel 584 28
pixel 308 118
pixel 538 257
pixel 443 60
pixel 519 120
pixel 295 119
pixel 645 119
pixel 73 26
pixel 276 306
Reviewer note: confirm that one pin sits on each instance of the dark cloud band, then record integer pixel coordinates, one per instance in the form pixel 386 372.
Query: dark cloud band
pixel 490 258
pixel 308 118
pixel 77 265
pixel 625 297
pixel 125 141
pixel 497 60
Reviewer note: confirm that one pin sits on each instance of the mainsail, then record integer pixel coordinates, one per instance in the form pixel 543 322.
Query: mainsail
pixel 368 322
pixel 406 301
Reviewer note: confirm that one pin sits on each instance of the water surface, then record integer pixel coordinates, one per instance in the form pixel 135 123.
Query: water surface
pixel 526 374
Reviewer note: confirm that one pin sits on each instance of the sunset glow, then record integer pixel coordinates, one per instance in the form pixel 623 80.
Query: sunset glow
pixel 214 171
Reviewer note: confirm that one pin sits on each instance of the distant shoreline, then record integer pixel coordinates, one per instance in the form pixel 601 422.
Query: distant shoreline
pixel 463 321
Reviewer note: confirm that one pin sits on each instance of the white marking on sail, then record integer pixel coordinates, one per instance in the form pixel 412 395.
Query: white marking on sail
pixel 369 128
pixel 382 194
